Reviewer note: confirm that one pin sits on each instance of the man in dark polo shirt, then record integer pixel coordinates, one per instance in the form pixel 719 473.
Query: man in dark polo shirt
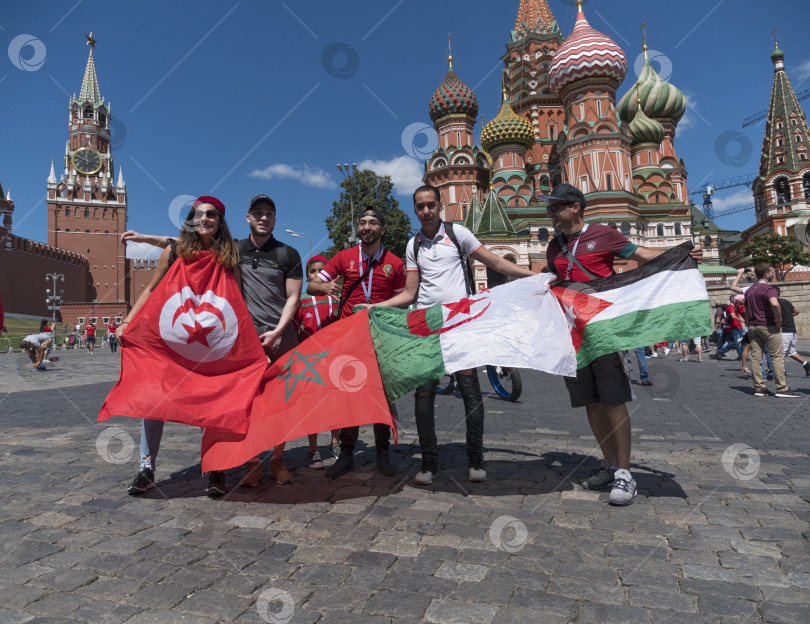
pixel 763 315
pixel 581 252
pixel 371 273
pixel 789 338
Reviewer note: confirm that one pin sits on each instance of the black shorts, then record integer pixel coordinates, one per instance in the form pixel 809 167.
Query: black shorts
pixel 602 381
pixel 91 340
pixel 746 339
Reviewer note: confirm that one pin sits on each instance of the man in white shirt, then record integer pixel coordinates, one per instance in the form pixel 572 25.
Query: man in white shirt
pixel 437 271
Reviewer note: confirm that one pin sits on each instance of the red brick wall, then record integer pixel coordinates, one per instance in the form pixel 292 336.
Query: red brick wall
pixel 23 266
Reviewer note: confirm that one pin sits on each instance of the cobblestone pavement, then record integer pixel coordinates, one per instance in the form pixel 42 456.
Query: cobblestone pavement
pixel 719 532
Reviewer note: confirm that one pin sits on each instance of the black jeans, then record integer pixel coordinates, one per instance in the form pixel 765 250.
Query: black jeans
pixel 474 417
pixel 349 435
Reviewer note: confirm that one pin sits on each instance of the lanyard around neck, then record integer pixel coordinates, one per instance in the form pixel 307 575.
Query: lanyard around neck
pixel 574 252
pixel 371 264
pixel 315 306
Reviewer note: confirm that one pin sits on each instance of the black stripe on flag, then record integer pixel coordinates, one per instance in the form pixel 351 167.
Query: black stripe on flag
pixel 674 259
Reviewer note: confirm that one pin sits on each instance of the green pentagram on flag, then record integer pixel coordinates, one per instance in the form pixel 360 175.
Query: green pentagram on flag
pixel 291 379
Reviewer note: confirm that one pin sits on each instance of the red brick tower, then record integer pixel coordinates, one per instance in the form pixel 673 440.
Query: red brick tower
pixel 87 209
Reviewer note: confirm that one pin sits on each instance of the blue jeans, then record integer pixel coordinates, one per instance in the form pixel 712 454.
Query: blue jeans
pixel 641 356
pixel 767 359
pixel 736 337
pixel 151 433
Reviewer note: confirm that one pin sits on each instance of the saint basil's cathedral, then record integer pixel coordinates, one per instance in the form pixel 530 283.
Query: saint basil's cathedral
pixel 560 122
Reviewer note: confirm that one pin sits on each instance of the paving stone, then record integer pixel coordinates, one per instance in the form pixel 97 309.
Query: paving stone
pixel 166 595
pixel 398 604
pixel 105 611
pixel 587 590
pixel 458 612
pixel 735 590
pixel 56 604
pixel 18 596
pixel 613 614
pixel 365 578
pixel 545 602
pixel 726 606
pixel 461 571
pixel 218 605
pixel 418 584
pixel 491 593
pixel 776 613
pixel 64 580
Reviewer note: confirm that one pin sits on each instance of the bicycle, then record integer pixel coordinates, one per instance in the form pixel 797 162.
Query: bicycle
pixel 505 381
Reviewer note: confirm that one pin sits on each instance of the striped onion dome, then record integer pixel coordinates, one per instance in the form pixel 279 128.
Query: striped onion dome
pixel 453 97
pixel 507 127
pixel 586 53
pixel 659 99
pixel 645 130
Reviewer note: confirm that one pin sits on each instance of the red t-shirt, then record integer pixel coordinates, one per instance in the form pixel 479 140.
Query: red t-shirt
pixel 314 313
pixel 111 328
pixel 594 247
pixel 387 279
pixel 91 331
pixel 760 310
pixel 734 318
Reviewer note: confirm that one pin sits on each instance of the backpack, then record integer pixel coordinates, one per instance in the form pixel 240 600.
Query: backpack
pixel 469 279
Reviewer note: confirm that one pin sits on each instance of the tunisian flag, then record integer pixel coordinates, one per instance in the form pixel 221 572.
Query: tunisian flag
pixel 191 355
pixel 329 381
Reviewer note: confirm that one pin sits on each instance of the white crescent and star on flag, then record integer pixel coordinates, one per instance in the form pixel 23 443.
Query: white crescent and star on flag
pixel 200 328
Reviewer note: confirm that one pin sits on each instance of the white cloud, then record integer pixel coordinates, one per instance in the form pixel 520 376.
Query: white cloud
pixel 138 251
pixel 742 197
pixel 309 176
pixel 801 73
pixel 405 172
pixel 689 118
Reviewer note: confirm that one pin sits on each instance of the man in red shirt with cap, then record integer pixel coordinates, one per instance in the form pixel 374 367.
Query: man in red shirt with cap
pixel 371 274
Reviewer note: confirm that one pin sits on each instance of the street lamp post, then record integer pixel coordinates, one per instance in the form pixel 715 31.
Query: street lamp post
pixel 349 173
pixel 302 235
pixel 54 300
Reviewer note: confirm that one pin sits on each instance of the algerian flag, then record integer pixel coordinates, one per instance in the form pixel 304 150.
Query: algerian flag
pixel 518 324
pixel 663 300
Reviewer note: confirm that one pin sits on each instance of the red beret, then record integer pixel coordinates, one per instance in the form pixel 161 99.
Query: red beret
pixel 207 199
pixel 317 259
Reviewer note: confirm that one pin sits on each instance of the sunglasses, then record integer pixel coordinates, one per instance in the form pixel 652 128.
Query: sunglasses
pixel 555 208
pixel 258 216
pixel 211 214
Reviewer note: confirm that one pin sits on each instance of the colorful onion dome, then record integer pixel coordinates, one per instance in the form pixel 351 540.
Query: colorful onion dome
pixel 586 53
pixel 645 130
pixel 659 99
pixel 507 127
pixel 453 97
pixel 777 54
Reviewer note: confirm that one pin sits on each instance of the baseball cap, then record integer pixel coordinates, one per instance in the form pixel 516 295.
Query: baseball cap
pixel 373 212
pixel 261 198
pixel 565 193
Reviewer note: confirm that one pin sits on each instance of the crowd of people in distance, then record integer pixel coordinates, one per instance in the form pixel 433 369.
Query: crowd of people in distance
pixel 37 346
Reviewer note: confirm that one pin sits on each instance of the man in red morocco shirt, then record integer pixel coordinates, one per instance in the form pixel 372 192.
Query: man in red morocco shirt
pixel 371 274
pixel 601 387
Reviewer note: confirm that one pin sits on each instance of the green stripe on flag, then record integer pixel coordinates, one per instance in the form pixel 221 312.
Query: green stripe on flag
pixel 642 328
pixel 406 361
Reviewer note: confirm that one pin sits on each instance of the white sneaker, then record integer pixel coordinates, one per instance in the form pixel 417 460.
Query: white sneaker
pixel 654 354
pixel 477 475
pixel 787 395
pixel 624 488
pixel 425 477
pixel 666 351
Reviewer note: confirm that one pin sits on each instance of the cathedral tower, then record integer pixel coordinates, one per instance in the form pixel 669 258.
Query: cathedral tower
pixel 87 207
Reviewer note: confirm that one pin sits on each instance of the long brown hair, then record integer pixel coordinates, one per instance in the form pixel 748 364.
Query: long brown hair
pixel 190 243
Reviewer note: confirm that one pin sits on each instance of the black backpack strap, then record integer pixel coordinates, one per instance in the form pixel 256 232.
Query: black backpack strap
pixel 469 279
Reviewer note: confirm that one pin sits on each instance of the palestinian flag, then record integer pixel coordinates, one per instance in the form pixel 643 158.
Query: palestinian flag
pixel 662 300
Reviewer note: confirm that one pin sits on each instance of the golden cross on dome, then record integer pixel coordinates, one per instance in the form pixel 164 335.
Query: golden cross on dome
pixel 774 32
pixel 449 50
pixel 90 41
pixel 643 30
pixel 503 84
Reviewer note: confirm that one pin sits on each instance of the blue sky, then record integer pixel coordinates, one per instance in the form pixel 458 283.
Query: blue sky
pixel 236 98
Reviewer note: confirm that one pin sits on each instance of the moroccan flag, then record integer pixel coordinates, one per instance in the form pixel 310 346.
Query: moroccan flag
pixel 517 324
pixel 662 300
pixel 191 354
pixel 329 381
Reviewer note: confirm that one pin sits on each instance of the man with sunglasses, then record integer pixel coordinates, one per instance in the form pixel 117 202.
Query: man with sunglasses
pixel 581 252
pixel 371 274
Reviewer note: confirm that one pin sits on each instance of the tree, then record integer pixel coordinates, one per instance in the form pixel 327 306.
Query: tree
pixel 368 189
pixel 781 252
